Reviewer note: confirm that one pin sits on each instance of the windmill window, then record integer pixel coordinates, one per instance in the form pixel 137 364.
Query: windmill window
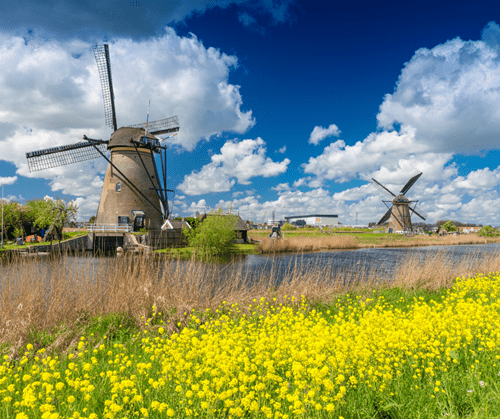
pixel 118 186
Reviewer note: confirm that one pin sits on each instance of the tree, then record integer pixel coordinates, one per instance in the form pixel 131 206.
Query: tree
pixel 488 231
pixel 15 217
pixel 449 226
pixel 51 214
pixel 287 226
pixel 214 235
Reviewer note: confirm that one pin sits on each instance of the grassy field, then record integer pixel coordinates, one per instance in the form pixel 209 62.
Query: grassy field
pixel 67 235
pixel 129 341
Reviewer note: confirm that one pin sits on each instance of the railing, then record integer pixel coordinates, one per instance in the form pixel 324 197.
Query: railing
pixel 110 228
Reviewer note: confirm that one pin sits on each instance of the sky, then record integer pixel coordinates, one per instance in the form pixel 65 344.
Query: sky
pixel 284 106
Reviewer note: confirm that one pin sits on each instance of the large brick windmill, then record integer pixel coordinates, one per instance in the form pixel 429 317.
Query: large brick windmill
pixel 400 210
pixel 134 187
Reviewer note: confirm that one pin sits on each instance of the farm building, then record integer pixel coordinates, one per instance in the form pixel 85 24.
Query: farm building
pixel 315 220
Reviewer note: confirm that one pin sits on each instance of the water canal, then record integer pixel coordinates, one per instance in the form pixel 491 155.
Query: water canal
pixel 351 263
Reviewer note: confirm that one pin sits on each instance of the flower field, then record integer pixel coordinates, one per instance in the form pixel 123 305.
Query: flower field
pixel 358 357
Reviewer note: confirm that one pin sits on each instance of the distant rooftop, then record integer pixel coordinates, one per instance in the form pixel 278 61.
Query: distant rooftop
pixel 313 215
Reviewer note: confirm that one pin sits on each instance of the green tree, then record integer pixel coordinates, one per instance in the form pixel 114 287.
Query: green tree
pixel 287 226
pixel 449 226
pixel 214 235
pixel 51 214
pixel 14 216
pixel 488 231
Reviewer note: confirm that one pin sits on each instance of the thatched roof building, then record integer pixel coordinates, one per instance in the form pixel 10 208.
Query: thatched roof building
pixel 240 229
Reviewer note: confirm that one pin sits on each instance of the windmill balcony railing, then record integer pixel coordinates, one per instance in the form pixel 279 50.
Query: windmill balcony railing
pixel 110 228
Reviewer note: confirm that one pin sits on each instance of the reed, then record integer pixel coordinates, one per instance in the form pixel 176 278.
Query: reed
pixel 304 244
pixel 59 293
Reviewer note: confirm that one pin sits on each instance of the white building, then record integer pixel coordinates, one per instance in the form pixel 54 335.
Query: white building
pixel 316 220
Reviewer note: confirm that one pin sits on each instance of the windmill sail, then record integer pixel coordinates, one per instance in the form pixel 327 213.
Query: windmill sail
pixel 383 189
pixel 63 155
pixel 410 183
pixel 421 213
pixel 101 54
pixel 162 126
pixel 385 216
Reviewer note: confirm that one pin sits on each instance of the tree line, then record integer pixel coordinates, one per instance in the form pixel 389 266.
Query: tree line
pixel 50 215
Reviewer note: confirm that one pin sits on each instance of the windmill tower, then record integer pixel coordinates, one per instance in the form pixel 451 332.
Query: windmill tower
pixel 400 210
pixel 134 189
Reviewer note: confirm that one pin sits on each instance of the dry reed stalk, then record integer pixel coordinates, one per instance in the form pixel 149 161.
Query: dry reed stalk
pixel 304 244
pixel 39 295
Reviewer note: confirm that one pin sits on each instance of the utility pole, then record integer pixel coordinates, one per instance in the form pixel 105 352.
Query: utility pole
pixel 1 244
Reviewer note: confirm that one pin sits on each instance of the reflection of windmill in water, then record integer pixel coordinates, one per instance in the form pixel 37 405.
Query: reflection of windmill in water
pixel 134 187
pixel 400 210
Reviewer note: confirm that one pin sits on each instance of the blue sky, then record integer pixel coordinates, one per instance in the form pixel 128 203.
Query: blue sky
pixel 285 106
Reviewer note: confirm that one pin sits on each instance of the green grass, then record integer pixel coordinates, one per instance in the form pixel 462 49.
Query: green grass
pixel 187 253
pixel 73 234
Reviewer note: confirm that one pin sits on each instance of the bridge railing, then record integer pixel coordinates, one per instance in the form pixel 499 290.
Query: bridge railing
pixel 110 228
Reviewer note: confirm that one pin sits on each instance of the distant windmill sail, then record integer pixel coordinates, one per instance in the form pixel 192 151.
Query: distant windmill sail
pixel 63 155
pixel 399 213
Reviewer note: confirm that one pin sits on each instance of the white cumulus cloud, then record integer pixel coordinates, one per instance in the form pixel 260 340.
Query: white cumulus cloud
pixel 241 160
pixel 319 133
pixel 8 180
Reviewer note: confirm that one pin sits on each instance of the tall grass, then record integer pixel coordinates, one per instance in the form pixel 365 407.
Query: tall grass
pixel 345 241
pixel 303 244
pixel 57 292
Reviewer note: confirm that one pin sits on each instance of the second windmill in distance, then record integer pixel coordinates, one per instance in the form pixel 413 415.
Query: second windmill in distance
pixel 400 210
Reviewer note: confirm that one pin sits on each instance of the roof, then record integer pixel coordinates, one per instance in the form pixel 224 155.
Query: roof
pixel 175 224
pixel 122 136
pixel 313 215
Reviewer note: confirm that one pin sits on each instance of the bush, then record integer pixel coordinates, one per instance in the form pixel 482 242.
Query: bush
pixel 214 235
pixel 449 226
pixel 287 226
pixel 488 231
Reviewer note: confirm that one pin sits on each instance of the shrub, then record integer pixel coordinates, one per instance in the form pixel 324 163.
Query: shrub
pixel 287 226
pixel 214 235
pixel 488 231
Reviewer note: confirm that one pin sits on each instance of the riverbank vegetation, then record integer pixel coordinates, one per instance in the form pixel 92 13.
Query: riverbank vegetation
pixel 136 339
pixel 318 240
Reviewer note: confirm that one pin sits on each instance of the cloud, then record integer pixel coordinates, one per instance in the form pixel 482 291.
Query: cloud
pixel 281 187
pixel 8 180
pixel 51 95
pixel 91 19
pixel 449 94
pixel 444 105
pixel 319 133
pixel 242 160
pixel 281 150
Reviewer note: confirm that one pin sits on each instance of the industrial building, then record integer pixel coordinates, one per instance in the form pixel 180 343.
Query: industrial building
pixel 315 220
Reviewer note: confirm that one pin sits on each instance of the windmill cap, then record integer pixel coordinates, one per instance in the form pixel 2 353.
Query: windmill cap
pixel 122 137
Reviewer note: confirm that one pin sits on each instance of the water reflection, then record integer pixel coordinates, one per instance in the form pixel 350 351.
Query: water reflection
pixel 381 262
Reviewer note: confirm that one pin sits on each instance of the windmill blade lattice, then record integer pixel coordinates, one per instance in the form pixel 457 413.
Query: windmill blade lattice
pixel 410 183
pixel 63 155
pixel 101 54
pixel 383 189
pixel 162 126
pixel 385 217
pixel 421 213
